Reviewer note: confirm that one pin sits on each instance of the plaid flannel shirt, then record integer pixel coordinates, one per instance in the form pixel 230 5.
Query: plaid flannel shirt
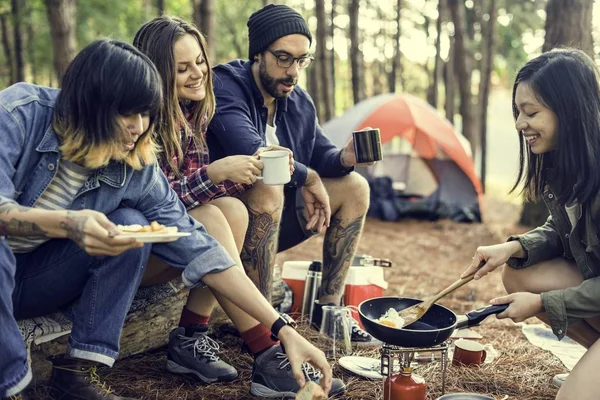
pixel 194 187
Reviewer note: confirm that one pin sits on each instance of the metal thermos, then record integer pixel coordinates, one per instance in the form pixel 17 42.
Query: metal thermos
pixel 311 288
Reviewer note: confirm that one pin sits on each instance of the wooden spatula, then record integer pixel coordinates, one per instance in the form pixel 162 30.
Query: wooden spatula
pixel 414 313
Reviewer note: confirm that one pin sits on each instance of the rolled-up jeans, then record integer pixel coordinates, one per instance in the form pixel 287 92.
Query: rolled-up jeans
pixel 55 274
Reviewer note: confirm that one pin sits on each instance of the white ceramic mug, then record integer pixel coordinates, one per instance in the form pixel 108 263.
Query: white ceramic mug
pixel 276 167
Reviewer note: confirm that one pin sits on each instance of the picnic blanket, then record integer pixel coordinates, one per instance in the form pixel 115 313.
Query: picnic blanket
pixel 49 327
pixel 567 350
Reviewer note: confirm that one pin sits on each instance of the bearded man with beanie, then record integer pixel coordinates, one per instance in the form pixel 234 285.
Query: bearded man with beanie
pixel 258 104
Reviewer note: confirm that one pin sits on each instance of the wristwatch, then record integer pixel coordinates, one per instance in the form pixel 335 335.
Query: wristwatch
pixel 279 323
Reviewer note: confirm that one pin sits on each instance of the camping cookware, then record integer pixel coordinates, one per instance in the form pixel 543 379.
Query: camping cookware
pixel 432 329
pixel 367 145
pixel 414 313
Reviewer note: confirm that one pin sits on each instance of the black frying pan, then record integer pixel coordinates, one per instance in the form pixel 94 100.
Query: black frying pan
pixel 432 329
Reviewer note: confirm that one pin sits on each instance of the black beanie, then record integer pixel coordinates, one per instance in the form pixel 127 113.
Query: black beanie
pixel 272 22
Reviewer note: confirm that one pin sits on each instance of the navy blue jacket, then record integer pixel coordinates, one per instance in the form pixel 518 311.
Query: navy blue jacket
pixel 238 126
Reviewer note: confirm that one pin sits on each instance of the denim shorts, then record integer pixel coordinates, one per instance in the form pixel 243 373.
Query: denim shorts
pixel 292 230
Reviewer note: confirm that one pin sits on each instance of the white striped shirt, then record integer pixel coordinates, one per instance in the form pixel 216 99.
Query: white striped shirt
pixel 58 195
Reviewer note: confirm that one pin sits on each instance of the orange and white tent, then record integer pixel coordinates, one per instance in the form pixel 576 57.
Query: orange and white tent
pixel 423 154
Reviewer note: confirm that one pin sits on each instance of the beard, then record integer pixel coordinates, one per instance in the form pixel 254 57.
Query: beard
pixel 270 84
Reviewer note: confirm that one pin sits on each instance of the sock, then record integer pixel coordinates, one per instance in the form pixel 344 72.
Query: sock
pixel 189 318
pixel 258 339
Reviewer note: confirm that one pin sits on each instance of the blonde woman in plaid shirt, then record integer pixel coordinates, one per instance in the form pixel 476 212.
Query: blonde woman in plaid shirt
pixel 209 192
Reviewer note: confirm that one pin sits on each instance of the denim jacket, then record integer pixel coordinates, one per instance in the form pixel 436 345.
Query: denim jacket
pixel 240 120
pixel 29 159
pixel 579 245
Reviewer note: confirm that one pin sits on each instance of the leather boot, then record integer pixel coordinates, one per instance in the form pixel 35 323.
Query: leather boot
pixel 74 379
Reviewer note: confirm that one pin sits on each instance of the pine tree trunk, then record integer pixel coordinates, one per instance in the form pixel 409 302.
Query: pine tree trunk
pixel 207 26
pixel 449 80
pixel 396 60
pixel 487 51
pixel 19 71
pixel 7 49
pixel 31 61
pixel 463 65
pixel 324 62
pixel 569 23
pixel 312 79
pixel 160 7
pixel 332 57
pixel 380 83
pixel 437 66
pixel 356 58
pixel 196 13
pixel 61 16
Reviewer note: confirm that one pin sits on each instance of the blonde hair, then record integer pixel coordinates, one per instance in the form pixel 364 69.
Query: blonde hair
pixel 76 147
pixel 156 39
pixel 106 80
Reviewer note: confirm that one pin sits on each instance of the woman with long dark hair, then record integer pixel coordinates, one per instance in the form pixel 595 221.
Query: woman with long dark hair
pixel 553 271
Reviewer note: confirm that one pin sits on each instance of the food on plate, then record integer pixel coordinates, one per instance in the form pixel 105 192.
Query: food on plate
pixel 392 319
pixel 154 228
pixel 311 391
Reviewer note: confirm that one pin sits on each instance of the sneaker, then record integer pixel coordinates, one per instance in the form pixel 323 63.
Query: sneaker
pixel 559 379
pixel 272 376
pixel 358 336
pixel 194 354
pixel 77 380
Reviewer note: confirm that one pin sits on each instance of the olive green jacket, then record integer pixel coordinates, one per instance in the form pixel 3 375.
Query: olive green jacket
pixel 581 245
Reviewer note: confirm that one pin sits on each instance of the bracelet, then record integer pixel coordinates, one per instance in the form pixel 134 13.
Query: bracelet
pixel 280 322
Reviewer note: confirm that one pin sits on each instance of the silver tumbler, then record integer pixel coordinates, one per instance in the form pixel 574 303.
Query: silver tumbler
pixel 311 288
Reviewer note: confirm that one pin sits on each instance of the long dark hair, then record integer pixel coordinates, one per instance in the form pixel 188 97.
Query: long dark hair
pixel 106 79
pixel 566 81
pixel 156 39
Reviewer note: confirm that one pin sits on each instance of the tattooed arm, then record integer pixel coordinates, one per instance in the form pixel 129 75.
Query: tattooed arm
pixel 91 230
pixel 17 220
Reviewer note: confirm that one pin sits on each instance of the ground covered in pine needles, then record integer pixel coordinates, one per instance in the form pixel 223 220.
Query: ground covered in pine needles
pixel 427 257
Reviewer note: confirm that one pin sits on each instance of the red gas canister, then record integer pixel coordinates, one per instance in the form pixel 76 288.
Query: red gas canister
pixel 404 386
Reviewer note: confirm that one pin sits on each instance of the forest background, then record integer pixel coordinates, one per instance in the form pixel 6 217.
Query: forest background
pixel 459 55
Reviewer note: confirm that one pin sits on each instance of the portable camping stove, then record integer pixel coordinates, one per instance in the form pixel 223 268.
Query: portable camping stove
pixel 406 355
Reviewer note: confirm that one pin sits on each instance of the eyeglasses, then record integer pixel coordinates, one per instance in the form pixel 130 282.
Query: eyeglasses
pixel 285 60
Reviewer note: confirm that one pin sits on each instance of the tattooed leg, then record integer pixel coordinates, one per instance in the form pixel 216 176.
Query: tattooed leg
pixel 339 246
pixel 260 249
pixel 343 234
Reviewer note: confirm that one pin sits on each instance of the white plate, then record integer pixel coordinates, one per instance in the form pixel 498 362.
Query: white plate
pixel 154 237
pixel 366 367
